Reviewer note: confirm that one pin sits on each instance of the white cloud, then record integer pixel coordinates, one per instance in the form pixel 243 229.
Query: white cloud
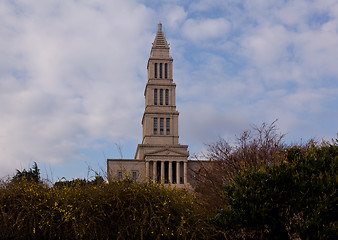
pixel 66 79
pixel 202 123
pixel 266 45
pixel 287 48
pixel 174 15
pixel 203 29
pixel 287 51
pixel 72 73
pixel 206 5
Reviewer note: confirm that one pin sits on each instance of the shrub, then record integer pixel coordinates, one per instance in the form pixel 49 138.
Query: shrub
pixel 119 210
pixel 296 198
pixel 258 147
pixel 33 174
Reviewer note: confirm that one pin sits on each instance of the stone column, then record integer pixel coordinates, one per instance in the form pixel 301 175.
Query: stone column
pixel 154 171
pixel 177 172
pixel 147 171
pixel 162 171
pixel 185 168
pixel 170 172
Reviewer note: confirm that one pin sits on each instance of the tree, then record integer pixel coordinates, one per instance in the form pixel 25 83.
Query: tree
pixel 260 146
pixel 293 199
pixel 98 180
pixel 33 174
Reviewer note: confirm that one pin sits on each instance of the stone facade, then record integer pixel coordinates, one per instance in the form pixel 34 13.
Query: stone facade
pixel 160 157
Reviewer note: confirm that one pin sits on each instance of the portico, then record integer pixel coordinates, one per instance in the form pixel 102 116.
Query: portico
pixel 167 172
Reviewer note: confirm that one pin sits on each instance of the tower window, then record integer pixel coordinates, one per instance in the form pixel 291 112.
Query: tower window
pixel 161 126
pixel 168 125
pixel 155 126
pixel 120 175
pixel 155 96
pixel 134 175
pixel 155 70
pixel 160 70
pixel 161 96
pixel 167 97
pixel 166 70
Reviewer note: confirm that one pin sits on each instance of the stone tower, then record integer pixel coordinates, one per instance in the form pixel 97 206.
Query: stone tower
pixel 165 158
pixel 160 157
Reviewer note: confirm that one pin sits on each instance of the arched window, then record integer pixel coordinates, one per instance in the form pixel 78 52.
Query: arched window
pixel 160 70
pixel 155 96
pixel 155 70
pixel 166 70
pixel 167 97
pixel 161 96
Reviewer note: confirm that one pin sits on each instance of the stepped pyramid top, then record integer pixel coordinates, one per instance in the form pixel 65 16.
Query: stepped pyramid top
pixel 160 41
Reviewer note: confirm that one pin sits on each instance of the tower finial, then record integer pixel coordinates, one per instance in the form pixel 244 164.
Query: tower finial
pixel 160 41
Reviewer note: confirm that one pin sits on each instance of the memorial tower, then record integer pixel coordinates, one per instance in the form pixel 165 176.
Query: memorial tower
pixel 160 157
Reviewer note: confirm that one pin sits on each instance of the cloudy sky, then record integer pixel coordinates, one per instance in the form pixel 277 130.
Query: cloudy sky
pixel 73 72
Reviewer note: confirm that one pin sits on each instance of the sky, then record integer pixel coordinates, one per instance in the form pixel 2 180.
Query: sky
pixel 73 73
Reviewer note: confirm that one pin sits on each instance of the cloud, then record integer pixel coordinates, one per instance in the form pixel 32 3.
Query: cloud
pixel 202 123
pixel 174 15
pixel 267 45
pixel 206 5
pixel 66 78
pixel 203 29
pixel 72 73
pixel 302 34
pixel 281 64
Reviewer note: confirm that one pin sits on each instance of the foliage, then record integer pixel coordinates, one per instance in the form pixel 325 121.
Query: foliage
pixel 119 210
pixel 296 198
pixel 97 181
pixel 256 189
pixel 33 174
pixel 254 148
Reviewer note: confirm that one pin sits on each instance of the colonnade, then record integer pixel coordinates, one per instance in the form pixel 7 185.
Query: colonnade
pixel 173 172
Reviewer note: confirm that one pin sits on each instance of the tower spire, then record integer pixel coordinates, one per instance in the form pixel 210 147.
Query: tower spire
pixel 159 157
pixel 160 41
pixel 165 159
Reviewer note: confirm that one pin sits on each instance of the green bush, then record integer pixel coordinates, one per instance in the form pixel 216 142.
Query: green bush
pixel 261 189
pixel 33 174
pixel 296 198
pixel 119 210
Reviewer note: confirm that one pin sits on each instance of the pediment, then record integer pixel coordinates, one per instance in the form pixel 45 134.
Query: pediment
pixel 167 152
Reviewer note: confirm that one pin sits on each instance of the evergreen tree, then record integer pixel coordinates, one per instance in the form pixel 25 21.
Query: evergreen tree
pixel 294 199
pixel 33 174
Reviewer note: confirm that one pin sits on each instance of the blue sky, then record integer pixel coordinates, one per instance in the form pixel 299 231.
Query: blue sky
pixel 72 75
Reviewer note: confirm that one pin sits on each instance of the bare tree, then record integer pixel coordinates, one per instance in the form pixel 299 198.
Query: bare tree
pixel 119 148
pixel 262 145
